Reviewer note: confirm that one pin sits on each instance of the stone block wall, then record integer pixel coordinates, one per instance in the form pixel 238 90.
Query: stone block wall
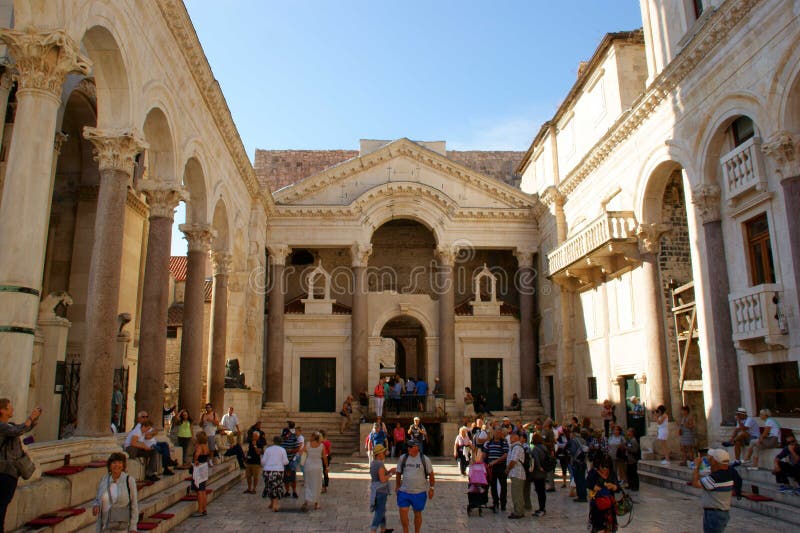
pixel 499 165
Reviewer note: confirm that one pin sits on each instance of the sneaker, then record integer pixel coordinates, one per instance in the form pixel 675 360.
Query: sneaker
pixel 294 495
pixel 735 463
pixel 664 462
pixel 785 489
pixel 727 444
pixel 797 491
pixel 540 512
pixel 580 500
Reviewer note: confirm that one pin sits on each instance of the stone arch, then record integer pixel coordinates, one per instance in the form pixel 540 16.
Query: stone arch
pixel 111 78
pixel 653 178
pixel 411 311
pixel 220 224
pixel 784 92
pixel 194 181
pixel 160 156
pixel 417 202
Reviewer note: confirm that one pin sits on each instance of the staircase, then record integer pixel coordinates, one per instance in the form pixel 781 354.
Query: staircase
pixel 273 422
pixel 785 507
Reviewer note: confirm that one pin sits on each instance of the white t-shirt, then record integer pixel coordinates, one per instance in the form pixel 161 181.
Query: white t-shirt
pixel 136 431
pixel 230 422
pixel 413 478
pixel 752 426
pixel 274 459
pixel 774 428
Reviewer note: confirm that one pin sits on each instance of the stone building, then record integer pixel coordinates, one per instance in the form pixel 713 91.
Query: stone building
pixel 668 235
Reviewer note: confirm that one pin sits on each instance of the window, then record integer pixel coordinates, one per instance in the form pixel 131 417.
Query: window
pixel 592 388
pixel 778 388
pixel 759 250
pixel 698 8
pixel 742 129
pixel 172 332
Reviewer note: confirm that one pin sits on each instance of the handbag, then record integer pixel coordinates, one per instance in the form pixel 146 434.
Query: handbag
pixel 603 503
pixel 119 517
pixel 24 466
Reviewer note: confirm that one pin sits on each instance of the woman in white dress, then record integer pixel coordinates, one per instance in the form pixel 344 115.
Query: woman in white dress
pixel 316 461
pixel 662 419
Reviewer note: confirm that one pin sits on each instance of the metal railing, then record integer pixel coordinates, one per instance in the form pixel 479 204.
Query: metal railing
pixel 410 405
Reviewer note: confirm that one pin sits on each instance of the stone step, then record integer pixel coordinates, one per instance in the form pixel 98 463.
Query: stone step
pixel 774 509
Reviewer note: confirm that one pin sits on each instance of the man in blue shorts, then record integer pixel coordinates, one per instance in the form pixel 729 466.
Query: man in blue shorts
pixel 415 483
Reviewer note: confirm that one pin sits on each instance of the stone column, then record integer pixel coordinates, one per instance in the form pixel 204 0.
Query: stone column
pixel 221 262
pixel 6 81
pixel 446 255
pixel 652 311
pixel 276 290
pixel 359 337
pixel 162 198
pixel 724 376
pixel 528 356
pixel 190 392
pixel 42 61
pixel 622 408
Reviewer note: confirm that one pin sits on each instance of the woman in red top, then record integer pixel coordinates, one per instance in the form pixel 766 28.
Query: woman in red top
pixel 326 464
pixel 399 440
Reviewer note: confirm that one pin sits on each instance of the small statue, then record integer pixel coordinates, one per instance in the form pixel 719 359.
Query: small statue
pixel 55 305
pixel 233 378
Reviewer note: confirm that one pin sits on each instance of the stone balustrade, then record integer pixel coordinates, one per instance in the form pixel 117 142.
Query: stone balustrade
pixel 756 316
pixel 612 226
pixel 743 169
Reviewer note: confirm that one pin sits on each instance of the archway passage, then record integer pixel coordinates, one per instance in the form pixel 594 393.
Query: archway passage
pixel 410 346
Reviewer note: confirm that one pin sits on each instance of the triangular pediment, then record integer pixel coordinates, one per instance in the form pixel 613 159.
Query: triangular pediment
pixel 408 168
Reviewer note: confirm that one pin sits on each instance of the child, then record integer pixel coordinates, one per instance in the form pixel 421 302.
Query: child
pixel 201 457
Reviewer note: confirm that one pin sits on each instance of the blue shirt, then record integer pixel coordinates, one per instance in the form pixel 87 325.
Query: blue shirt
pixel 494 449
pixel 422 388
pixel 289 443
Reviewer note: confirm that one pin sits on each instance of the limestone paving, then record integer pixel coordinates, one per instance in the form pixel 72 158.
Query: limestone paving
pixel 345 508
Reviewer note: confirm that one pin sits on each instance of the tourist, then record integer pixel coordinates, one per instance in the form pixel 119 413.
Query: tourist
pixel 328 448
pixel 376 436
pixel 291 444
pixel 516 403
pixel 398 440
pixel 769 438
pixel 786 465
pixel 201 459
pixel 602 484
pixel 421 393
pixel 549 440
pixel 411 391
pixel 632 455
pixel 136 447
pixel 210 422
pixel 718 486
pixel 379 489
pixel 607 414
pixel 230 422
pixel 578 449
pixel 396 394
pixel 461 449
pixel 117 401
pixel 469 404
pixel 617 451
pixel 262 441
pixel 380 394
pixel 116 505
pixel 346 412
pixel 11 451
pixel 515 470
pixel 274 463
pixel 413 475
pixel 661 445
pixel 745 431
pixel 417 432
pixel 438 395
pixel 183 430
pixel 315 464
pixel 162 448
pixel 637 416
pixel 496 451
pixel 686 435
pixel 253 462
pixel 562 455
pixel 539 454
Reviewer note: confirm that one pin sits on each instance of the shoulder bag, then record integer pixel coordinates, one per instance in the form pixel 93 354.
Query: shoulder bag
pixel 119 517
pixel 23 464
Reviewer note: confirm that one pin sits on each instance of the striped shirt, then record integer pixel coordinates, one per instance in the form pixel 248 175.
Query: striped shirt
pixel 289 442
pixel 718 490
pixel 495 449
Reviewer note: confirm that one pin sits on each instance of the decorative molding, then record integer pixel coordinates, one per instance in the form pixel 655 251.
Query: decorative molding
pixel 6 79
pixel 782 148
pixel 58 141
pixel 706 199
pixel 278 253
pixel 446 254
pixel 524 257
pixel 716 29
pixel 198 236
pixel 360 253
pixel 115 149
pixel 221 262
pixel 87 87
pixel 649 235
pixel 162 197
pixel 42 59
pixel 133 201
pixel 177 20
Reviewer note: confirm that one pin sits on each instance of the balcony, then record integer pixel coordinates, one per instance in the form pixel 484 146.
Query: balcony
pixel 606 247
pixel 743 170
pixel 757 318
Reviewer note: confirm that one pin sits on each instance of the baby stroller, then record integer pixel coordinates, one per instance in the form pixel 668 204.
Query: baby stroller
pixel 477 488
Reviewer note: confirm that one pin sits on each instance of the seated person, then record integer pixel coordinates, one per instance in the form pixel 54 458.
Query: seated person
pixel 746 430
pixel 135 446
pixel 770 436
pixel 516 403
pixel 787 464
pixel 161 447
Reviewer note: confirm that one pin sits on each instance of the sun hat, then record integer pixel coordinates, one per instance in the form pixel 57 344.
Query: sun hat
pixel 741 411
pixel 720 455
pixel 378 449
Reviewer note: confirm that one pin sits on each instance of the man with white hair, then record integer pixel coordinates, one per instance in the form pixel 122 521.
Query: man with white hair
pixel 717 489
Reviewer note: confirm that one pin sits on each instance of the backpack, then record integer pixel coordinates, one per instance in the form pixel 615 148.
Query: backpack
pixel 422 459
pixel 549 462
pixel 527 463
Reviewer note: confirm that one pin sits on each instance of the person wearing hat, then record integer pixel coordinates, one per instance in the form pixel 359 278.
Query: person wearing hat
pixel 746 430
pixel 718 486
pixel 412 471
pixel 379 488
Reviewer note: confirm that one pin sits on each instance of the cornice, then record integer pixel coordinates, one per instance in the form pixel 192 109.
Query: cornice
pixel 138 205
pixel 182 29
pixel 716 29
pixel 405 148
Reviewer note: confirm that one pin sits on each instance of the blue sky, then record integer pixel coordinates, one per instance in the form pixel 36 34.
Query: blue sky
pixel 317 74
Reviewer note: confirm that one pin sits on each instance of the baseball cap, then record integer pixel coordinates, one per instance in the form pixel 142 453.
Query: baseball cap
pixel 720 455
pixel 506 419
pixel 412 443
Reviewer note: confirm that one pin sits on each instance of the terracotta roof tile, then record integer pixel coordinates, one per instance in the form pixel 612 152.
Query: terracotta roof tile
pixel 177 266
pixel 208 286
pixel 175 314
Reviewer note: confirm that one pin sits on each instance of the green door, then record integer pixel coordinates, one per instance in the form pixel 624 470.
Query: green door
pixel 631 389
pixel 487 379
pixel 318 384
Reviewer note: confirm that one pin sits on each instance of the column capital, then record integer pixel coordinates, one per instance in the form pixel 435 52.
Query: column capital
pixel 446 254
pixel 706 199
pixel 42 59
pixel 552 198
pixel 221 261
pixel 278 253
pixel 199 236
pixel 59 140
pixel 524 257
pixel 162 197
pixel 781 147
pixel 6 79
pixel 360 252
pixel 649 235
pixel 115 149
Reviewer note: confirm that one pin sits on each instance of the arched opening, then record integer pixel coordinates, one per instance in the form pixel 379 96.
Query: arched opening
pixel 410 347
pixel 402 253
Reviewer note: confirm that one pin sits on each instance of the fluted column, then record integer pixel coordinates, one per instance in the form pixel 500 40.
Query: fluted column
pixel 653 314
pixel 359 338
pixel 528 356
pixel 115 153
pixel 190 391
pixel 446 255
pixel 162 198
pixel 42 61
pixel 221 261
pixel 275 303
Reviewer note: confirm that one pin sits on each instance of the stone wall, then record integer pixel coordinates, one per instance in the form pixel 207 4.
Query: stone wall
pixel 499 165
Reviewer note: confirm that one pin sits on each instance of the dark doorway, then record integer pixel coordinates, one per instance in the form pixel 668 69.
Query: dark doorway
pixel 551 393
pixel 318 384
pixel 410 346
pixel 631 389
pixel 487 379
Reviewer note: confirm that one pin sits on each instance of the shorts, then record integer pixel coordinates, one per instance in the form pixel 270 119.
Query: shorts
pixel 415 501
pixel 289 475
